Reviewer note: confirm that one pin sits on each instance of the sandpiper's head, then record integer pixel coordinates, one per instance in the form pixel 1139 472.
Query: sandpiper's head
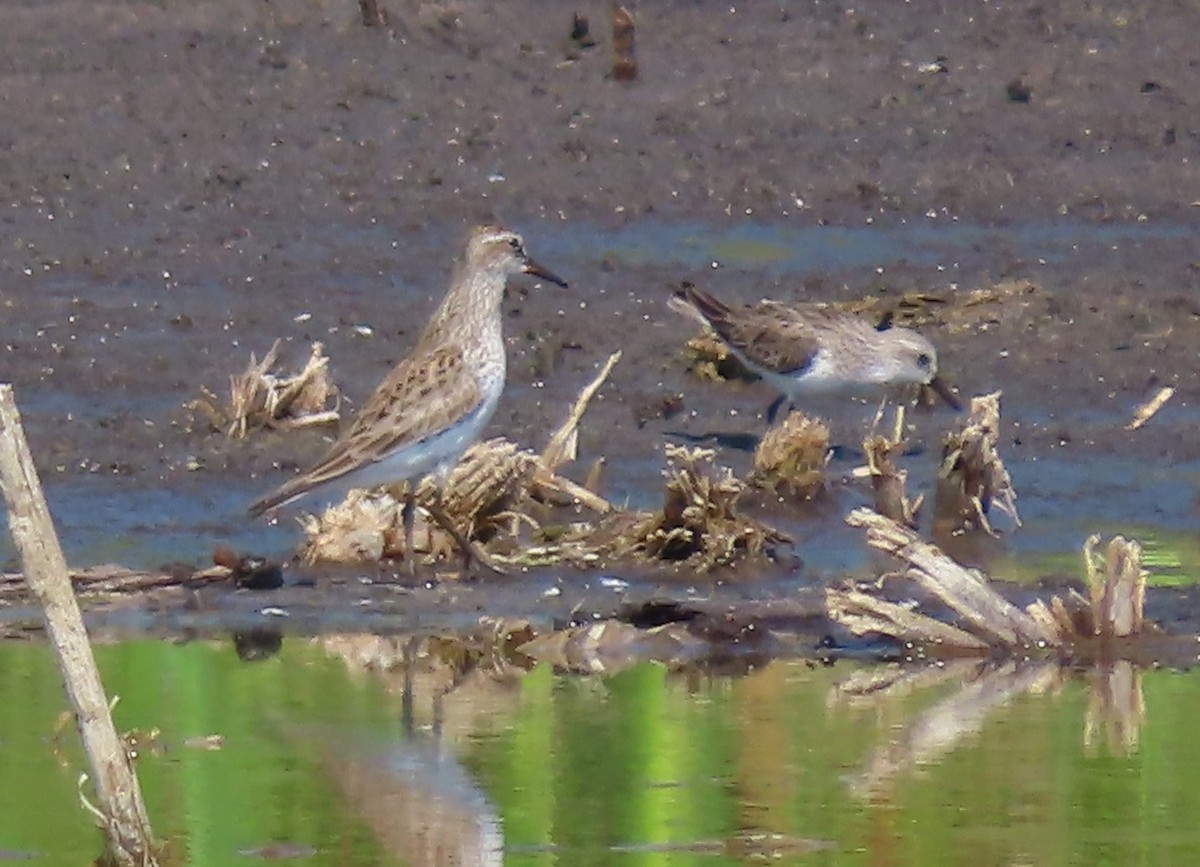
pixel 502 249
pixel 915 361
pixel 912 357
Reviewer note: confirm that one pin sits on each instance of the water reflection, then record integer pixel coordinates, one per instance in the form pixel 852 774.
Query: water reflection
pixel 790 758
pixel 980 691
pixel 423 807
pixel 257 644
pixel 438 750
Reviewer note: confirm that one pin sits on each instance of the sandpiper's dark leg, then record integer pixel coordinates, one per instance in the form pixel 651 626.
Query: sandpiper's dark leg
pixel 773 409
pixel 407 514
pixel 470 551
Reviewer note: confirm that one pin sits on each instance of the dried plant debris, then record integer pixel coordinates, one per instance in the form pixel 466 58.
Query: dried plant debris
pixel 1116 595
pixel 792 456
pixel 887 480
pixel 709 359
pixel 1117 586
pixel 972 478
pixel 1147 410
pixel 955 311
pixel 563 447
pixel 625 65
pixel 699 522
pixel 262 398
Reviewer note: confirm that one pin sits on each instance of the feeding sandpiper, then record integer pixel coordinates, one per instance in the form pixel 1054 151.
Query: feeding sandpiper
pixel 437 400
pixel 809 348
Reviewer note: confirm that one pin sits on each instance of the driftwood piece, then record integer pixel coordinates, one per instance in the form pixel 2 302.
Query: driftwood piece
pixel 972 478
pixel 122 813
pixel 112 580
pixel 964 591
pixel 864 614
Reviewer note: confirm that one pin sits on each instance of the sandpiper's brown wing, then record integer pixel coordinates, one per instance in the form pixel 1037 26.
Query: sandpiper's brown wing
pixel 423 395
pixel 770 335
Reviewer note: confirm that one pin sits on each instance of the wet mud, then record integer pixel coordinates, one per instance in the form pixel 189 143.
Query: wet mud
pixel 183 185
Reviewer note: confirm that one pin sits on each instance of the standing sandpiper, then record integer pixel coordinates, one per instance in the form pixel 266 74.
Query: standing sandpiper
pixel 808 348
pixel 437 400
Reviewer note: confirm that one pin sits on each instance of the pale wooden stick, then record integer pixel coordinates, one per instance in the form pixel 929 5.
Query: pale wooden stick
pixel 126 825
pixel 964 591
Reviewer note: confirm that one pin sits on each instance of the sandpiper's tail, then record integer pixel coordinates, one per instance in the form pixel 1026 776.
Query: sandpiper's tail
pixel 699 305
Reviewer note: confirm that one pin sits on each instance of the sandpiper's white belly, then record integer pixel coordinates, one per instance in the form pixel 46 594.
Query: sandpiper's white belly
pixel 436 454
pixel 826 375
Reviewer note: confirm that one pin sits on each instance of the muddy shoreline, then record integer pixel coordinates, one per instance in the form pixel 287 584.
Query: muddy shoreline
pixel 182 186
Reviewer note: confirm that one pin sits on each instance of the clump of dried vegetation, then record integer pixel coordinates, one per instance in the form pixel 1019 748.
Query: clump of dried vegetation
pixel 888 481
pixel 708 358
pixel 262 397
pixel 1116 598
pixel 792 456
pixel 972 477
pixel 699 521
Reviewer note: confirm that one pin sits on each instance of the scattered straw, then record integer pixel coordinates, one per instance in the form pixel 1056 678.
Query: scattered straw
pixel 564 447
pixel 260 398
pixel 957 311
pixel 481 497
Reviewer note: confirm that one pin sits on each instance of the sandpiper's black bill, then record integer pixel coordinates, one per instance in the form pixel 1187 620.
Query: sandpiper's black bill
pixel 537 270
pixel 943 391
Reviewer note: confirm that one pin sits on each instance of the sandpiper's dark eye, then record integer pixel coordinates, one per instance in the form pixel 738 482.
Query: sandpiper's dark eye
pixel 923 361
pixel 515 244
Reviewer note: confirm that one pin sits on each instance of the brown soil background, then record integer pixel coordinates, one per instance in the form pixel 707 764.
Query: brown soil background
pixel 179 183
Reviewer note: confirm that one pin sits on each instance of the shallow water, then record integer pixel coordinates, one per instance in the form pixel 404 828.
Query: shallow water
pixel 794 763
pixel 782 248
